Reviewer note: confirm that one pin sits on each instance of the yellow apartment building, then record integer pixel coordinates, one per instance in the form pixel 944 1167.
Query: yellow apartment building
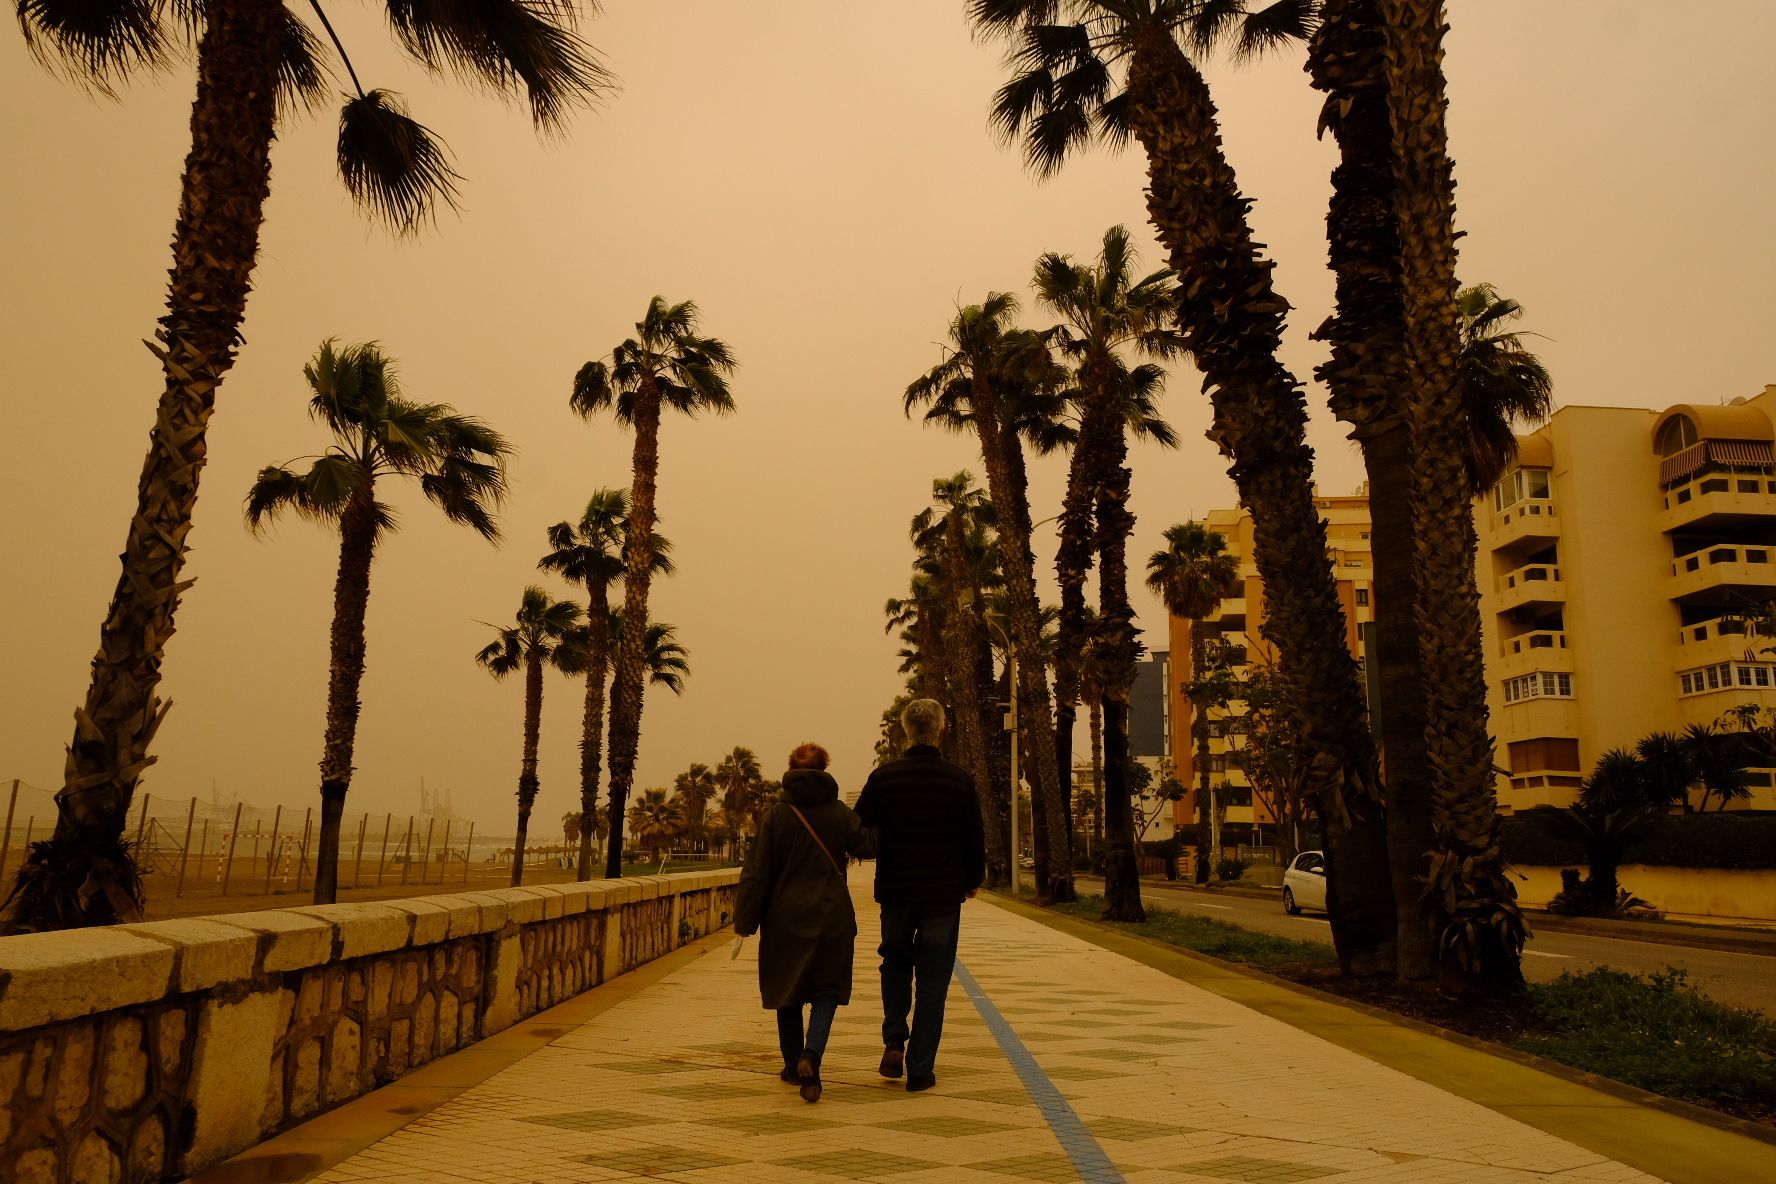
pixel 1617 561
pixel 1239 622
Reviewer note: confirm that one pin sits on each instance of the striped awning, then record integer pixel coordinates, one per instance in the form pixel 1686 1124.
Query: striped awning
pixel 1737 453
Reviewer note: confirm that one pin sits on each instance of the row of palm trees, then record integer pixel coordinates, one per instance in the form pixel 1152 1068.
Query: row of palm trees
pixel 259 65
pixel 1417 885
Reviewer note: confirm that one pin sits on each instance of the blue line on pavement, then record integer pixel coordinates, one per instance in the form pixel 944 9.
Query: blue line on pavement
pixel 1088 1157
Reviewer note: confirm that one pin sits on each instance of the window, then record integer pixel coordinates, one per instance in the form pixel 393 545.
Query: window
pixel 1363 597
pixel 1519 484
pixel 1678 434
pixel 1725 676
pixel 1309 861
pixel 1542 684
pixel 1548 753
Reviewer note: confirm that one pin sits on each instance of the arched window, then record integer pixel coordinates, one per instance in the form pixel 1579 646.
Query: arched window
pixel 1678 434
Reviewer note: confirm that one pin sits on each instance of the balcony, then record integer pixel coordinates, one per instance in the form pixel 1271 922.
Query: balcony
pixel 1719 500
pixel 1541 649
pixel 1531 521
pixel 1533 584
pixel 1723 639
pixel 1728 574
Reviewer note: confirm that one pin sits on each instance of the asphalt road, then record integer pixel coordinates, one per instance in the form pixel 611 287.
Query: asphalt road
pixel 1746 980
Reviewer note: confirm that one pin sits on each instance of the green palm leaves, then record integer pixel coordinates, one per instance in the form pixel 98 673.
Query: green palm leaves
pixel 1194 573
pixel 1502 382
pixel 541 632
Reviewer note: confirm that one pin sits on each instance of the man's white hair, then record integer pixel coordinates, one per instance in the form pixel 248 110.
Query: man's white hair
pixel 923 721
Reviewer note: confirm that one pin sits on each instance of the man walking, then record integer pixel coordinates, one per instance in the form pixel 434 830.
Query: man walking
pixel 930 856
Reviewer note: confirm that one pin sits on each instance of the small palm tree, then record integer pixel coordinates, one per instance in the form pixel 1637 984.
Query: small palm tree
pixel 655 820
pixel 1192 576
pixel 258 66
pixel 696 787
pixel 377 434
pixel 666 364
pixel 572 826
pixel 589 553
pixel 741 781
pixel 542 633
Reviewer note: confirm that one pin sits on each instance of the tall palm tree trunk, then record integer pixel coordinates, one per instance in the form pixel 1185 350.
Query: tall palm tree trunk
pixel 628 681
pixel 1232 318
pixel 996 790
pixel 592 718
pixel 1095 716
pixel 1054 871
pixel 1366 376
pixel 1118 648
pixel 527 769
pixel 958 664
pixel 1482 930
pixel 83 875
pixel 345 675
pixel 1073 561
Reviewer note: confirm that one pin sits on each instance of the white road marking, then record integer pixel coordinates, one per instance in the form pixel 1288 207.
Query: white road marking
pixel 1545 954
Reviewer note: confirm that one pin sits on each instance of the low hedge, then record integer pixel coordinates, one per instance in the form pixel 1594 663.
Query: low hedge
pixel 1740 842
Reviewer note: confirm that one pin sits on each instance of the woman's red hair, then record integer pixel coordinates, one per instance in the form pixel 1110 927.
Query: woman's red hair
pixel 808 756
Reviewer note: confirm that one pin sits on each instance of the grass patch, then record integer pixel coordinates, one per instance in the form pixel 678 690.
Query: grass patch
pixel 1658 1032
pixel 676 865
pixel 1206 935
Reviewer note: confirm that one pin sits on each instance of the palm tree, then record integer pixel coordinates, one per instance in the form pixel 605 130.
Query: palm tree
pixel 1503 384
pixel 942 540
pixel 1719 758
pixel 589 554
pixel 1668 763
pixel 741 782
pixel 258 65
pixel 572 826
pixel 1367 373
pixel 655 820
pixel 695 787
pixel 1614 806
pixel 1104 311
pixel 666 364
pixel 1192 576
pixel 1088 69
pixel 377 433
pixel 1474 904
pixel 542 633
pixel 989 369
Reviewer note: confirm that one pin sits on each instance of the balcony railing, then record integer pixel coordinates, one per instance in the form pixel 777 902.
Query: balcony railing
pixel 1715 556
pixel 1529 574
pixel 1539 639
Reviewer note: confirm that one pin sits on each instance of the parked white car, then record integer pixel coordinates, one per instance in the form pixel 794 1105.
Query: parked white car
pixel 1304 883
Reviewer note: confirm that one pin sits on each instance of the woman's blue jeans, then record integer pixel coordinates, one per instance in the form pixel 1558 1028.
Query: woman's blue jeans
pixel 790 1037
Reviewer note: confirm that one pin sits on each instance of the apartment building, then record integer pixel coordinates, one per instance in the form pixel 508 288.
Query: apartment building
pixel 1618 561
pixel 1239 622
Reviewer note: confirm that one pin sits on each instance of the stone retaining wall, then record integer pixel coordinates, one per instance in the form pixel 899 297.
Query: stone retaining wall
pixel 143 1052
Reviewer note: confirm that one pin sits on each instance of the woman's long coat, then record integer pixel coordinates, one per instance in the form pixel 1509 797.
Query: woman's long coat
pixel 792 892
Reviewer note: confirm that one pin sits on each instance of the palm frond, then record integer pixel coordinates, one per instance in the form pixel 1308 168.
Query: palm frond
pixel 392 165
pixel 508 45
pixel 302 76
pixel 275 489
pixel 98 43
pixel 1276 26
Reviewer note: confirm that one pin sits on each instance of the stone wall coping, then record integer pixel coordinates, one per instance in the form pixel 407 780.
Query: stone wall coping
pixel 47 978
pixel 206 952
pixel 288 939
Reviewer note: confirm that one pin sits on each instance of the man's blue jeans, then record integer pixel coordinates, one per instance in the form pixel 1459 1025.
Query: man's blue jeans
pixel 918 947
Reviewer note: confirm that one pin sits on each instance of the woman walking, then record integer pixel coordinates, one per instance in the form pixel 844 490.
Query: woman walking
pixel 793 888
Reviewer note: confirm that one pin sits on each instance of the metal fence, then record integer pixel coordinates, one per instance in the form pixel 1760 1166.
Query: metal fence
pixel 235 848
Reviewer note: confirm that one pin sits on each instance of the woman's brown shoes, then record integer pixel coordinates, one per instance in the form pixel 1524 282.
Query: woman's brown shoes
pixel 808 1071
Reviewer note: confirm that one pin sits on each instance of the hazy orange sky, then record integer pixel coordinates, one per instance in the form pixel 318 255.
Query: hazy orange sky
pixel 818 175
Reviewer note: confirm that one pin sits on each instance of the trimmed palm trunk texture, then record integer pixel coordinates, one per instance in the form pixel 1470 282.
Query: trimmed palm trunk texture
pixel 345 678
pixel 222 197
pixel 1232 318
pixel 592 718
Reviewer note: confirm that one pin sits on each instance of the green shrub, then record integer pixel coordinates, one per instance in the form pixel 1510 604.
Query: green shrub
pixel 1657 1032
pixel 1729 841
pixel 1231 869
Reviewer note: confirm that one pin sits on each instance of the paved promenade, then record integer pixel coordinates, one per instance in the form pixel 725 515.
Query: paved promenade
pixel 1062 1060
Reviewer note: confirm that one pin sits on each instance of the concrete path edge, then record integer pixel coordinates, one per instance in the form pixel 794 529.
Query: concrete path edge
pixel 1673 1140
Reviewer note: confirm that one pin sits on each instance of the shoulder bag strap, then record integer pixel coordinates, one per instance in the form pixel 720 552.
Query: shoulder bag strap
pixel 816 838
